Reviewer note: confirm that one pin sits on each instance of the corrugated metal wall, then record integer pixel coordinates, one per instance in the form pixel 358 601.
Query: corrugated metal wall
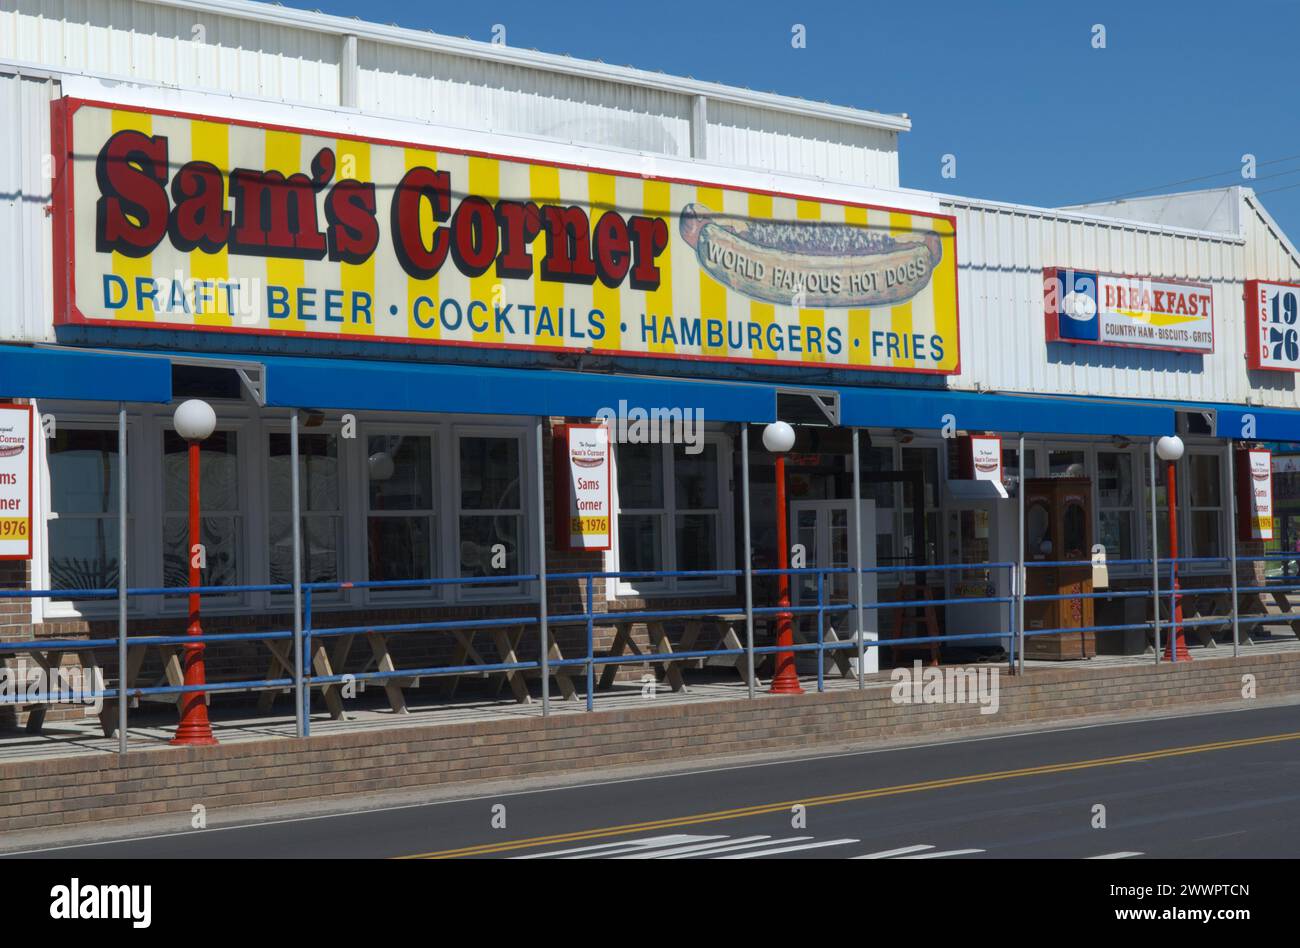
pixel 26 270
pixel 493 96
pixel 738 135
pixel 153 43
pixel 189 48
pixel 1002 253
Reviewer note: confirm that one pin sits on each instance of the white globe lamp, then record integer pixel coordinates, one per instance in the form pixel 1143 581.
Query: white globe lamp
pixel 194 419
pixel 778 437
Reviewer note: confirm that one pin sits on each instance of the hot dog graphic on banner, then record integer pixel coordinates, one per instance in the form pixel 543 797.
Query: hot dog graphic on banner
pixel 182 221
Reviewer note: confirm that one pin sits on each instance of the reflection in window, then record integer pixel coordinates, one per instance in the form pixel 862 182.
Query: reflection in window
pixel 83 500
pixel 221 517
pixel 319 506
pixel 402 520
pixel 1116 511
pixel 689 512
pixel 491 520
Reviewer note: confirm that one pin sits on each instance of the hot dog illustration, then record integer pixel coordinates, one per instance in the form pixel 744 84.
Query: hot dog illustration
pixel 821 265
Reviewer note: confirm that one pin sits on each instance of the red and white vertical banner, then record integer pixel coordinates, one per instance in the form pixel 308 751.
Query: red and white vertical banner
pixel 15 482
pixel 583 493
pixel 1254 494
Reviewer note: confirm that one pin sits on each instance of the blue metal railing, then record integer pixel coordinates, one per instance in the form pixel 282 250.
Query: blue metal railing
pixel 819 612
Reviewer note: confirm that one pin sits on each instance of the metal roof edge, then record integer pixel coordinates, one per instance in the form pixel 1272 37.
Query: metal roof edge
pixel 1078 217
pixel 548 62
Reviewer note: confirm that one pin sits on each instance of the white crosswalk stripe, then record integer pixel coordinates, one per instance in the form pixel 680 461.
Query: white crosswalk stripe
pixel 789 849
pixel 1119 855
pixel 893 852
pixel 686 846
pixel 700 850
pixel 611 849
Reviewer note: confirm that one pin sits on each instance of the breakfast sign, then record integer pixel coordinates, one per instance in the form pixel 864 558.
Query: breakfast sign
pixel 15 482
pixel 1110 309
pixel 174 221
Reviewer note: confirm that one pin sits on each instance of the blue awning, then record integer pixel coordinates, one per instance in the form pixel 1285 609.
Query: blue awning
pixel 975 411
pixel 1239 423
pixel 359 385
pixel 63 372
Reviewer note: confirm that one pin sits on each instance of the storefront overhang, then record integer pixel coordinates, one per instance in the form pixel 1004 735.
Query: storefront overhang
pixel 975 411
pixel 359 385
pixel 1237 423
pixel 61 372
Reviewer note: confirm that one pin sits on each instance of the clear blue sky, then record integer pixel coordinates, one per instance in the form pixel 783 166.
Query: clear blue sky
pixel 1015 90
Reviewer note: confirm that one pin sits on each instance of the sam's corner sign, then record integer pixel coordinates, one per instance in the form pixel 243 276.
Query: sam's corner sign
pixel 183 221
pixel 1109 309
pixel 15 482
pixel 583 487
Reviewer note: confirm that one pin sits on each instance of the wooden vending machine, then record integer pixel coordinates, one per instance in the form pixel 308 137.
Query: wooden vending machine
pixel 1058 527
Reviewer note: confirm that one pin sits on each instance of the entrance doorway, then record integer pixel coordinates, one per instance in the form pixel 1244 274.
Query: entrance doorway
pixel 823 528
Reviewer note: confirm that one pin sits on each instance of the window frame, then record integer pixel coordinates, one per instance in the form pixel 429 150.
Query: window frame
pixel 438 541
pixel 275 426
pixel 478 592
pixel 725 543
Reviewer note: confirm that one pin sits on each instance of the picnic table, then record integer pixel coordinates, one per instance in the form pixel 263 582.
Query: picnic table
pixel 726 622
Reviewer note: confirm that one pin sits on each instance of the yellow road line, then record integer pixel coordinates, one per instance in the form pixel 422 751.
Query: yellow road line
pixel 484 849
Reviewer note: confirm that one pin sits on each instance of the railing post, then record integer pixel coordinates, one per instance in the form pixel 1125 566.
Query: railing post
pixel 302 693
pixel 1022 580
pixel 121 579
pixel 1155 555
pixel 857 565
pixel 821 649
pixel 543 629
pixel 1232 540
pixel 1011 621
pixel 1173 609
pixel 297 573
pixel 749 565
pixel 591 621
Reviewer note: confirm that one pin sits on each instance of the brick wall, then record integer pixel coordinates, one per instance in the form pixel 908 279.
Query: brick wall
pixel 97 787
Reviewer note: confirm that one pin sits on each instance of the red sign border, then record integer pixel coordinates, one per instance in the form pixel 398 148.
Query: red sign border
pixel 1252 327
pixel 66 312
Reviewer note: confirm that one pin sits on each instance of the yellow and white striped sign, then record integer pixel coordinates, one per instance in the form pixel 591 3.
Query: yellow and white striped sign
pixel 187 222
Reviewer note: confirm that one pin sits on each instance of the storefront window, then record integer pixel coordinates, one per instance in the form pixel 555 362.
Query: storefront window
pixel 696 516
pixel 1066 463
pixel 1115 503
pixel 926 461
pixel 1162 507
pixel 490 515
pixel 1206 501
pixel 319 500
pixel 876 461
pixel 221 514
pixel 83 506
pixel 401 521
pixel 690 513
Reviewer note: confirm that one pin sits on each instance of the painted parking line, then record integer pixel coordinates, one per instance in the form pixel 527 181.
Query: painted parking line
pixel 1121 855
pixel 941 855
pixel 484 849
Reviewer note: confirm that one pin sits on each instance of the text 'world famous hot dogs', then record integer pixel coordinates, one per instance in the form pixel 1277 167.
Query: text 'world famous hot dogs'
pixel 819 264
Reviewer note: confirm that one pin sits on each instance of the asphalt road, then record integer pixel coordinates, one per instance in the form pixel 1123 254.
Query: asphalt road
pixel 1207 786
